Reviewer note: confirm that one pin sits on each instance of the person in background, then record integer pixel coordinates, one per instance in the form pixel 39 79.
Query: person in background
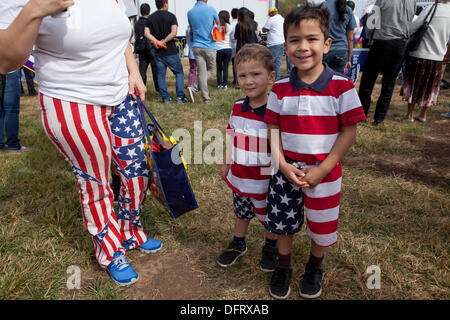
pixel 341 33
pixel 224 51
pixel 161 30
pixel 358 29
pixel 192 63
pixel 202 19
pixel 246 27
pixel 144 48
pixel 275 38
pixel 386 53
pixel 29 80
pixel 423 67
pixel 234 21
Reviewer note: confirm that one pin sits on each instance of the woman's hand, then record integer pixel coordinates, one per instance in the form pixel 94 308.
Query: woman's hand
pixel 136 86
pixel 43 8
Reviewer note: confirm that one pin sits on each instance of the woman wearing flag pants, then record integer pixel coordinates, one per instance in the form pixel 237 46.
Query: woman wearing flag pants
pixel 88 79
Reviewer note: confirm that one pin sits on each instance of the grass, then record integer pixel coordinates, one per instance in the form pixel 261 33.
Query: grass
pixel 394 214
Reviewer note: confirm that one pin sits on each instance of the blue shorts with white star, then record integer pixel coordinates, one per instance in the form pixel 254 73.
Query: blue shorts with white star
pixel 243 208
pixel 284 206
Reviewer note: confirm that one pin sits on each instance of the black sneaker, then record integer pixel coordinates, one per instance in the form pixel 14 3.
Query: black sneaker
pixel 279 284
pixel 231 254
pixel 311 286
pixel 269 258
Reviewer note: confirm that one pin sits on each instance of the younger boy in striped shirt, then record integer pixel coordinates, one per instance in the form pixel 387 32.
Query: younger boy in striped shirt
pixel 246 167
pixel 312 117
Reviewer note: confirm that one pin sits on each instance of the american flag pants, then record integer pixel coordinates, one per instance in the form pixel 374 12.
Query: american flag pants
pixel 91 137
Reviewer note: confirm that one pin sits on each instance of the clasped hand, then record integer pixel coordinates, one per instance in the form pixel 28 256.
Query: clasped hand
pixel 308 178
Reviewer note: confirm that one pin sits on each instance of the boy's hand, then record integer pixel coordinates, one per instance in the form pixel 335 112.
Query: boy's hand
pixel 224 170
pixel 293 174
pixel 313 176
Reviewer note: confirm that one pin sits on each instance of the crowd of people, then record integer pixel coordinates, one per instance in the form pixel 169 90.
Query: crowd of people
pixel 88 93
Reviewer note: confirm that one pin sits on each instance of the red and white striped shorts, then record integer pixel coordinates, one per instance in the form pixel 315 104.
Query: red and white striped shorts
pixel 287 205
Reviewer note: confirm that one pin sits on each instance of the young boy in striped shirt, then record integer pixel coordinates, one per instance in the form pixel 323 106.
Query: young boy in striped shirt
pixel 246 167
pixel 312 117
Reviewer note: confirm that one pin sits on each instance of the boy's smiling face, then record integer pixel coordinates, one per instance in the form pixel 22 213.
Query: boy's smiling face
pixel 305 46
pixel 254 78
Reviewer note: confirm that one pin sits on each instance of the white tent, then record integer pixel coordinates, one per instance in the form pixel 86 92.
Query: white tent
pixel 181 7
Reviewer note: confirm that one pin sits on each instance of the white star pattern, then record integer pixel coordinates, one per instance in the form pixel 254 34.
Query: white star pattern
pixel 280 181
pixel 291 214
pixel 285 199
pixel 131 152
pixel 275 210
pixel 122 120
pixel 272 192
pixel 130 114
pixel 280 226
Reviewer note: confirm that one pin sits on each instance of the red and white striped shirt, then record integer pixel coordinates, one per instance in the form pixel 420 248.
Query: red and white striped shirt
pixel 249 173
pixel 310 116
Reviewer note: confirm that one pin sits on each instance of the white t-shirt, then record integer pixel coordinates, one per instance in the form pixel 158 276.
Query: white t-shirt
pixel 275 36
pixel 225 44
pixel 79 55
pixel 233 41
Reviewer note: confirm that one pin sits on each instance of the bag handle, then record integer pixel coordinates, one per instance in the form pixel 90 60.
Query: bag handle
pixel 141 105
pixel 142 119
pixel 428 14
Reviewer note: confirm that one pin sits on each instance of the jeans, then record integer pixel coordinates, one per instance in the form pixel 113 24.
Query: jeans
pixel 172 62
pixel 289 65
pixel 385 57
pixel 9 111
pixel 192 72
pixel 277 52
pixel 206 61
pixel 337 60
pixel 146 59
pixel 223 58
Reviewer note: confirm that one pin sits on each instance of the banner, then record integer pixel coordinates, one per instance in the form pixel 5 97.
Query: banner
pixel 359 57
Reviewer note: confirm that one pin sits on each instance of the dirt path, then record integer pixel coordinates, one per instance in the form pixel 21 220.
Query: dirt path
pixel 168 275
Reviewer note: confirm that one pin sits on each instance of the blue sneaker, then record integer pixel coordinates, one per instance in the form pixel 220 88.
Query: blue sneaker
pixel 151 245
pixel 121 271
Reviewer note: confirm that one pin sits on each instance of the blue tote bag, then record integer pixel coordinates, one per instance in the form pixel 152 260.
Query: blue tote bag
pixel 169 181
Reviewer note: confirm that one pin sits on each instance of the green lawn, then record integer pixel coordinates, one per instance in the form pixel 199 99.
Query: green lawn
pixel 394 215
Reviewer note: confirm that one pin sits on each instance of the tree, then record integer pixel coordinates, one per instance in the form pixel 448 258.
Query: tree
pixel 284 6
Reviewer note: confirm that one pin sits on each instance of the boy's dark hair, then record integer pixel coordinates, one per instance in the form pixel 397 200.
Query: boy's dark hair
pixel 257 52
pixel 145 9
pixel 308 11
pixel 234 13
pixel 160 3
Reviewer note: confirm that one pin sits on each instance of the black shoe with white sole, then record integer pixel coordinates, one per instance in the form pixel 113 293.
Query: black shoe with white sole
pixel 279 284
pixel 269 258
pixel 311 285
pixel 231 254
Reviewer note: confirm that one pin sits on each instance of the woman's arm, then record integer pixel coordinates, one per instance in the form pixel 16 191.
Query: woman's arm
pixel 20 36
pixel 350 36
pixel 135 83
